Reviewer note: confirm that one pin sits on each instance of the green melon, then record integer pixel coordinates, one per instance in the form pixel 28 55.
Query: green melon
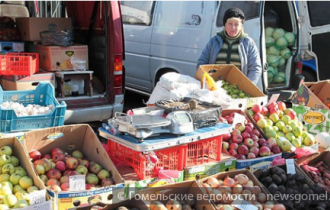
pixel 281 63
pixel 279 77
pixel 270 76
pixel 272 60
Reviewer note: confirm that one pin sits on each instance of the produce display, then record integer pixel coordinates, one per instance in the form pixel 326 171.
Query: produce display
pixel 281 123
pixel 320 174
pixel 278 43
pixel 15 184
pixel 172 205
pixel 55 168
pixel 233 91
pixel 30 109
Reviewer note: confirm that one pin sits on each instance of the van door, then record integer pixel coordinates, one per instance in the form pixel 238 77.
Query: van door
pixel 315 34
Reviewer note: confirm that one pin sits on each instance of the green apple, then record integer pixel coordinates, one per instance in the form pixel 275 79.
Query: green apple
pixel 32 188
pixel 4 207
pixel 290 136
pixel 268 128
pixel 17 188
pixel 14 161
pixel 280 124
pixel 275 128
pixel 262 123
pixel 21 203
pixel 286 146
pixel 4 177
pixel 296 143
pixel 269 122
pixel 25 182
pixel 280 134
pixel 8 169
pixel 14 178
pixel 10 200
pixel 304 134
pixel 274 117
pixel 23 195
pixel 293 124
pixel 20 171
pixel 40 169
pixel 5 190
pixel 271 134
pixel 300 124
pixel 287 129
pixel 9 184
pixel 286 119
pixel 4 159
pixel 297 131
pixel 6 150
pixel 309 140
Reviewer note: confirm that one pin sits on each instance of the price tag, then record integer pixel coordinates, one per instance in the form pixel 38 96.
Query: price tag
pixel 243 205
pixel 228 163
pixel 273 98
pixel 197 169
pixel 290 169
pixel 77 182
pixel 41 206
pixel 238 118
pixel 38 196
pixel 18 47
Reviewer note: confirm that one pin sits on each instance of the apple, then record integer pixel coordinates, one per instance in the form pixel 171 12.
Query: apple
pixel 71 163
pixel 92 179
pixel 17 188
pixel 286 146
pixel 233 146
pixel 225 137
pixel 250 112
pixel 40 169
pixel 258 117
pixel 14 161
pixel 281 105
pixel 44 178
pixel 58 157
pixel 269 122
pixel 47 156
pixel 262 123
pixel 65 186
pixel 32 189
pixel 254 137
pixel 309 140
pixel 240 157
pixel 276 149
pixel 293 124
pixel 232 114
pixel 275 128
pixel 272 141
pixel 90 186
pixel 237 139
pixel 287 129
pixel 55 188
pixel 60 165
pixel 271 133
pixel 249 142
pixel 264 110
pixel 6 150
pixel 297 143
pixel 4 177
pixel 8 169
pixel 56 150
pixel 223 120
pixel 286 119
pixel 25 182
pixel 236 131
pixel 225 145
pixel 240 127
pixel 21 203
pixel 45 163
pixel 245 135
pixel 292 114
pixel 274 117
pixel 81 169
pixel 249 124
pixel 290 136
pixel 297 131
pixel 255 144
pixel 264 151
pixel 280 124
pixel 10 200
pixel 67 173
pixel 256 108
pixel 256 132
pixel 19 170
pixel 230 120
pixel 4 159
pixel 255 150
pixel 232 152
pixel 243 150
pixel 54 174
pixel 94 168
pixel 77 154
pixel 280 134
pixel 267 144
pixel 274 111
pixel 52 182
pixel 248 129
pixel 272 105
pixel 14 178
pixel 107 182
pixel 103 174
pixel 35 154
pixel 64 179
pixel 251 155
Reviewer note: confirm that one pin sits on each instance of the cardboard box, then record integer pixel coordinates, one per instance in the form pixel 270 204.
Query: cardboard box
pixel 6 47
pixel 70 138
pixel 188 190
pixel 26 82
pixel 252 163
pixel 227 163
pixel 25 163
pixel 133 184
pixel 30 27
pixel 232 75
pixel 55 58
pixel 129 204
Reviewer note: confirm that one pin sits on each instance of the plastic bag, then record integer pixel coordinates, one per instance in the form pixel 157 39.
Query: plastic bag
pixel 58 38
pixel 77 64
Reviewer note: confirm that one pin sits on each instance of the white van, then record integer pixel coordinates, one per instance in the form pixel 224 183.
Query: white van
pixel 169 36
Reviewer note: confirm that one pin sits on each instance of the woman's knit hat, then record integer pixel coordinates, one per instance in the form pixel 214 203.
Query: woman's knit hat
pixel 233 12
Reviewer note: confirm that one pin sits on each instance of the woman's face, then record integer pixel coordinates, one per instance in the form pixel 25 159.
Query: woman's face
pixel 233 26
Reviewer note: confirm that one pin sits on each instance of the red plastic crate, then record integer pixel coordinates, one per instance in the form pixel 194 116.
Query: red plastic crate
pixel 173 158
pixel 19 64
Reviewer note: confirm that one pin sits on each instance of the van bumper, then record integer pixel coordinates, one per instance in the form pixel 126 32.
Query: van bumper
pixel 95 113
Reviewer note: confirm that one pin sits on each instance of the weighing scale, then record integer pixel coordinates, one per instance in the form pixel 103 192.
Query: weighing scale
pixel 144 125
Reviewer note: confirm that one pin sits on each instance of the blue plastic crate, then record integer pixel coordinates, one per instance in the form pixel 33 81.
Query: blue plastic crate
pixel 43 95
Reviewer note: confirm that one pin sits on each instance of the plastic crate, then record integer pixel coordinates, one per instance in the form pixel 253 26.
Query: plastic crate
pixel 24 64
pixel 173 158
pixel 43 95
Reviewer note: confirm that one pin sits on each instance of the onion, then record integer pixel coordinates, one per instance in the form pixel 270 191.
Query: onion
pixel 226 198
pixel 227 207
pixel 246 194
pixel 220 182
pixel 237 189
pixel 261 197
pixel 207 187
pixel 173 205
pixel 213 182
pixel 215 195
pixel 242 179
pixel 247 187
pixel 269 205
pixel 278 207
pixel 229 182
pixel 224 189
pixel 257 204
pixel 257 190
pixel 250 183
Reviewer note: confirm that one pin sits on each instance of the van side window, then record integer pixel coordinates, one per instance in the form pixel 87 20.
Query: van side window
pixel 137 12
pixel 319 14
pixel 250 9
pixel 191 13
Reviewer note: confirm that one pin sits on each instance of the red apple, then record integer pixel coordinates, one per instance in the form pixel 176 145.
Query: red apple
pixel 67 173
pixel 233 146
pixel 89 186
pixel 256 132
pixel 232 114
pixel 232 152
pixel 226 137
pixel 65 186
pixel 246 135
pixel 107 182
pixel 223 120
pixel 267 144
pixel 35 154
pixel 251 155
pixel 255 144
pixel 258 116
pixel 47 156
pixel 64 179
pixel 94 168
pixel 272 141
pixel 264 111
pixel 235 131
pixel 55 188
pixel 272 105
pixel 60 165
pixel 71 163
pixel 264 151
pixel 56 150
pixel 243 150
pixel 240 157
pixel 261 142
pixel 248 129
pixel 281 105
pixel 250 124
pixel 292 114
pixel 276 149
pixel 54 174
pixel 255 150
pixel 83 162
pixel 58 157
pixel 237 138
pixel 254 137
pixel 248 142
pixel 256 108
pixel 230 120
pixel 52 182
pixel 274 111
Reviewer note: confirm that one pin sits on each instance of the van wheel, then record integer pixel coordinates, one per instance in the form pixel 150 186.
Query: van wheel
pixel 309 76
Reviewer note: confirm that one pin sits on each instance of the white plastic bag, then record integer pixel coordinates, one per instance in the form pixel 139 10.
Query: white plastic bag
pixel 159 93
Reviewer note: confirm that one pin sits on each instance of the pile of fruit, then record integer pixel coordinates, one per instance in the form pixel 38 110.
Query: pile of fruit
pixel 224 191
pixel 15 184
pixel 278 182
pixel 233 91
pixel 320 173
pixel 172 205
pixel 55 168
pixel 245 141
pixel 278 42
pixel 281 123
